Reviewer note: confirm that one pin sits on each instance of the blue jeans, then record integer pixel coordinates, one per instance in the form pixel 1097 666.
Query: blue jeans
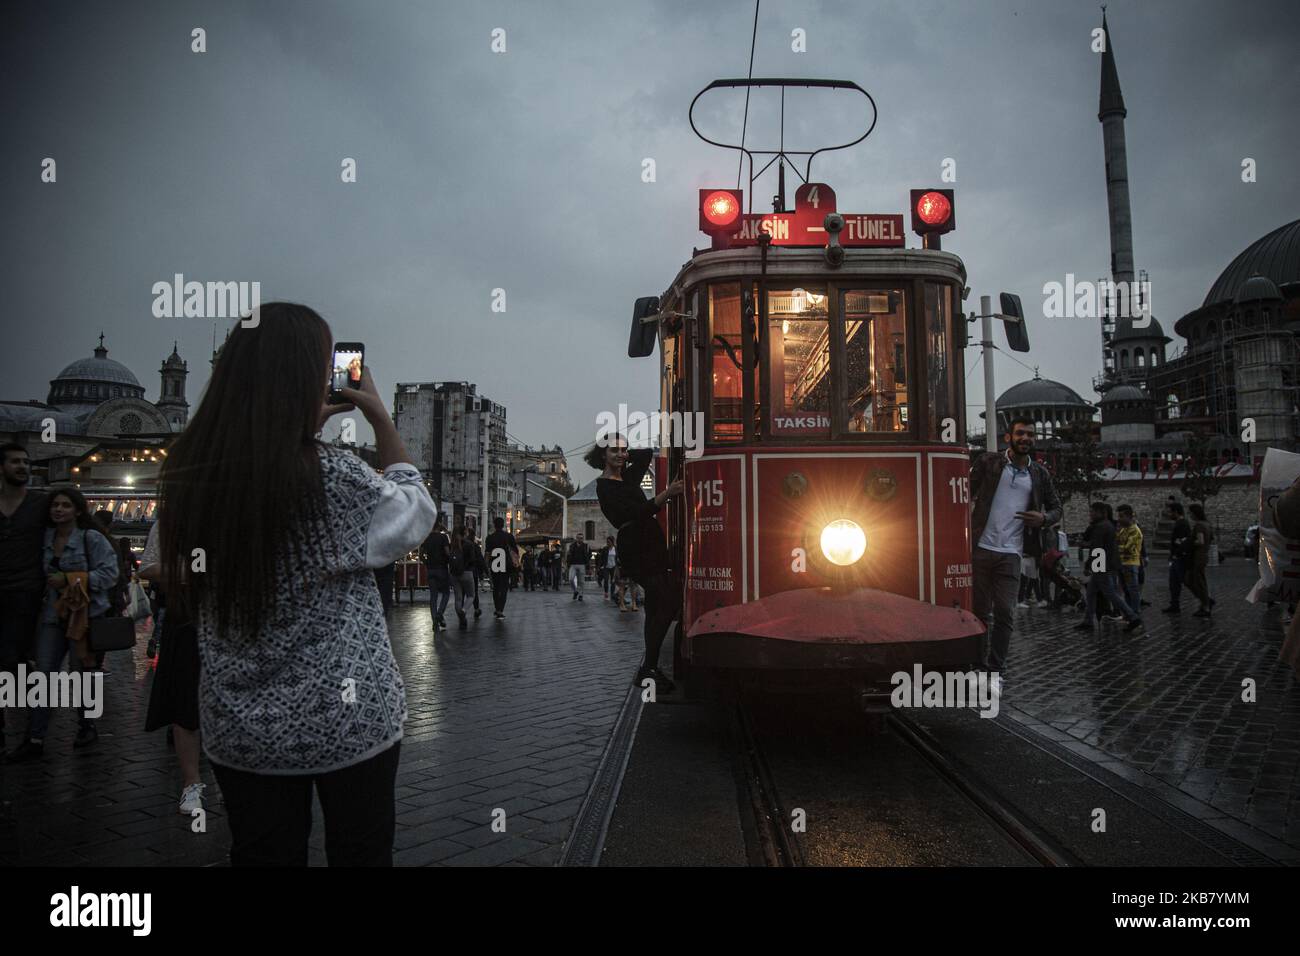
pixel 1104 583
pixel 51 646
pixel 439 591
pixel 1133 586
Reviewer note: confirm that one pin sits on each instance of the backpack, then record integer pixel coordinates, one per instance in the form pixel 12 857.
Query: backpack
pixel 456 562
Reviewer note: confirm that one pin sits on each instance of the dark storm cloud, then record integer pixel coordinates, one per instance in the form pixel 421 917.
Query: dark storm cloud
pixel 522 171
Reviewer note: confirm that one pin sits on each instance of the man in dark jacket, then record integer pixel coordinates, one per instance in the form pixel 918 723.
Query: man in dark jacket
pixel 1014 503
pixel 1104 563
pixel 1179 546
pixel 503 560
pixel 579 555
pixel 435 553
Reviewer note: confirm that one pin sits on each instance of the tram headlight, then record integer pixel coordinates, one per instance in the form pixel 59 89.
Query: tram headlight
pixel 843 542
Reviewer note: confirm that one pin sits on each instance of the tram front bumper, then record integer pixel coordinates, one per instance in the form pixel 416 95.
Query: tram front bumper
pixel 862 629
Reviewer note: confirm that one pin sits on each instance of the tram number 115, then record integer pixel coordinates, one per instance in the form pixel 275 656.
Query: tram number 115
pixel 960 490
pixel 709 493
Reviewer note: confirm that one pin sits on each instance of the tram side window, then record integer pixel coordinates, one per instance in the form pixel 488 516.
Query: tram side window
pixel 798 333
pixel 875 360
pixel 727 351
pixel 941 364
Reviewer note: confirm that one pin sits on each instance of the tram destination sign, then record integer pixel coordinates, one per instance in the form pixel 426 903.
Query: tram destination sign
pixel 805 226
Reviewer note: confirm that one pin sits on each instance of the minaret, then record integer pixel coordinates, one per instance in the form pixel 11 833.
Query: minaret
pixel 172 402
pixel 1111 113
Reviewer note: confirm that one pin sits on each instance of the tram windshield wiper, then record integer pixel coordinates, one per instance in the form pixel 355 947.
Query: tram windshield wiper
pixel 731 352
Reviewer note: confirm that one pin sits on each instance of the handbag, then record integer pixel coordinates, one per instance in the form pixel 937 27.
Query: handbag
pixel 111 634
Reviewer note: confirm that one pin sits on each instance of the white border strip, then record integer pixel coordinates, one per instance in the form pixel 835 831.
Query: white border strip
pixel 934 563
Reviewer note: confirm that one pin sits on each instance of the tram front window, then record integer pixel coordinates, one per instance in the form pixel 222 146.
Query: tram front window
pixel 875 360
pixel 941 364
pixel 798 334
pixel 728 355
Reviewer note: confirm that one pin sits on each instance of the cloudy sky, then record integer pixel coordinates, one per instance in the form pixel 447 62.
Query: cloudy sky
pixel 522 170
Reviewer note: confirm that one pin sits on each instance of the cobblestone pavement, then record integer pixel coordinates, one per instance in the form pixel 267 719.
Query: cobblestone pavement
pixel 511 715
pixel 1165 709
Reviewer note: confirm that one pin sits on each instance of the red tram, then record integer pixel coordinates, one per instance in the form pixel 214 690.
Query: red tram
pixel 825 526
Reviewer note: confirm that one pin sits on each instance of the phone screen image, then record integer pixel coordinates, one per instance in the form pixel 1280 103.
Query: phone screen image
pixel 347 368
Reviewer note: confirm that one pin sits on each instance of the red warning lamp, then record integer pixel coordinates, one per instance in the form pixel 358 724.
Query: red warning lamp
pixel 932 214
pixel 720 209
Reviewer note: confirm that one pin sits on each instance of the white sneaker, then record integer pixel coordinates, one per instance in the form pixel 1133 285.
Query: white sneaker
pixel 1044 603
pixel 192 799
pixel 1022 604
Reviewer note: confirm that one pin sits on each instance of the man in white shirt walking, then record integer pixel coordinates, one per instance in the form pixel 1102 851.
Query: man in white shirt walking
pixel 1012 501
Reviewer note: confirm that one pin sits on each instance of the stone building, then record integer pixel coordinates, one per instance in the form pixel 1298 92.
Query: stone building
pixel 453 433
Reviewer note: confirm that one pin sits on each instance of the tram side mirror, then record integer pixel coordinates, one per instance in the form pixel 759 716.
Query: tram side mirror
pixel 1017 335
pixel 641 340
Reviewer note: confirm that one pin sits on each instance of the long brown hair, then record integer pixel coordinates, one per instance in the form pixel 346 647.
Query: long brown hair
pixel 242 481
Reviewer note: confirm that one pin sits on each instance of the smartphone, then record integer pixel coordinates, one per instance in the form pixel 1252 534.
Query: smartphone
pixel 349 358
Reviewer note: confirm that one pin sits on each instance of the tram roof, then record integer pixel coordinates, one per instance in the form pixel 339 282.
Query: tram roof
pixel 865 263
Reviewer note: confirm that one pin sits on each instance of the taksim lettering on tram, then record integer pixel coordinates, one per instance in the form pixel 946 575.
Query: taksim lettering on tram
pixel 805 226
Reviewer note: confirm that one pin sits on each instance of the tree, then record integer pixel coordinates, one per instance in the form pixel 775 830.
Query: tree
pixel 552 505
pixel 1078 464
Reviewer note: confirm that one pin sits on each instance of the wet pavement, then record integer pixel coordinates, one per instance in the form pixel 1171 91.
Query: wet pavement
pixel 511 716
pixel 516 717
pixel 1165 709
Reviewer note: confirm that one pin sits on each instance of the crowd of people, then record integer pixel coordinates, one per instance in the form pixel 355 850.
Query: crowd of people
pixel 280 653
pixel 1022 557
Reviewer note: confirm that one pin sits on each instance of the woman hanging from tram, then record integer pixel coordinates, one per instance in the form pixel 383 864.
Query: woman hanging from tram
pixel 642 548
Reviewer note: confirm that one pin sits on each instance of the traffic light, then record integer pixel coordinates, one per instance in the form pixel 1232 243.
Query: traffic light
pixel 720 210
pixel 933 214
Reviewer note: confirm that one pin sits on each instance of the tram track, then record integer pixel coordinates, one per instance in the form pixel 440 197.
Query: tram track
pixel 769 808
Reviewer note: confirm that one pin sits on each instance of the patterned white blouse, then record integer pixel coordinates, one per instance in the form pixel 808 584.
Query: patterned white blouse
pixel 317 688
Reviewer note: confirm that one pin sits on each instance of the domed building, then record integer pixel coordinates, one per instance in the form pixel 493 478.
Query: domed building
pixel 1051 406
pixel 1242 360
pixel 99 397
pixel 97 430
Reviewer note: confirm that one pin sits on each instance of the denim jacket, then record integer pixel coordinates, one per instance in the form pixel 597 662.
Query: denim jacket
pixel 84 551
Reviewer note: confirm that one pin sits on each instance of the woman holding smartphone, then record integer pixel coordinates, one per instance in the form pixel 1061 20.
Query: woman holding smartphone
pixel 276 535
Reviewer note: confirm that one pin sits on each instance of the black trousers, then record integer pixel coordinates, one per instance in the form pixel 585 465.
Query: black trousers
pixel 661 607
pixel 270 815
pixel 500 588
pixel 19 613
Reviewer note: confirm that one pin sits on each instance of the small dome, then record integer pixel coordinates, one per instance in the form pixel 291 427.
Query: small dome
pixel 1124 331
pixel 1040 391
pixel 1258 288
pixel 1124 393
pixel 174 360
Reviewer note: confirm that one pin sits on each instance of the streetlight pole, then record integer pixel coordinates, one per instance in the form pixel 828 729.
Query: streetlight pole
pixel 990 396
pixel 564 512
